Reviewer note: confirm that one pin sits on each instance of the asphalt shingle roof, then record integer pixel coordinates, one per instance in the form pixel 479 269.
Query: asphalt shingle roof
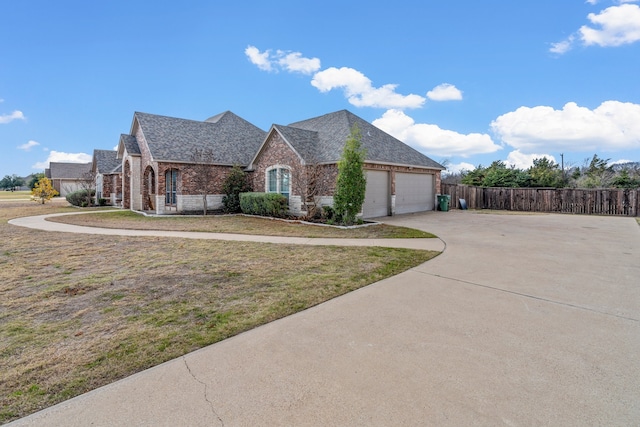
pixel 106 161
pixel 60 170
pixel 130 144
pixel 332 131
pixel 232 139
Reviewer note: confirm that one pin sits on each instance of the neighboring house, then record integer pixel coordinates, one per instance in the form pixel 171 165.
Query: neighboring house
pixel 163 169
pixel 69 177
pixel 107 170
pixel 170 164
pixel 399 178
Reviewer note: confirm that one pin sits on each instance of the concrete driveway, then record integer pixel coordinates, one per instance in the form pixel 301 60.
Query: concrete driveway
pixel 523 320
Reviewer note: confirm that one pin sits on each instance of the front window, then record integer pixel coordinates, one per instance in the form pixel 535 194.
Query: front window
pixel 279 181
pixel 171 180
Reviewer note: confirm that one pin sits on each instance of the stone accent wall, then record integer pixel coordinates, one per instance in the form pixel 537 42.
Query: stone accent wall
pixel 136 196
pixel 193 203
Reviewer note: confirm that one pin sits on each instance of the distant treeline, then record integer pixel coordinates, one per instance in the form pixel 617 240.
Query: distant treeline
pixel 595 173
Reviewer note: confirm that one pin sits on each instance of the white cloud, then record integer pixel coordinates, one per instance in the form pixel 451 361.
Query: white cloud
pixel 520 160
pixel 357 87
pixel 432 140
pixel 613 26
pixel 360 92
pixel 16 115
pixel 292 62
pixel 445 92
pixel 59 156
pixel 458 167
pixel 261 59
pixel 28 146
pixel 618 25
pixel 612 126
pixel 620 162
pixel 563 46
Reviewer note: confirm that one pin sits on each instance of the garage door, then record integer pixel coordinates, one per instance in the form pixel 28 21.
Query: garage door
pixel 414 193
pixel 376 196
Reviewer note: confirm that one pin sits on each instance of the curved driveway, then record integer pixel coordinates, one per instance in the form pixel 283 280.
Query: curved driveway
pixel 40 222
pixel 523 320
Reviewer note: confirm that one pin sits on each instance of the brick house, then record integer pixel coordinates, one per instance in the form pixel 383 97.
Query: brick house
pixel 107 171
pixel 171 165
pixel 165 162
pixel 399 178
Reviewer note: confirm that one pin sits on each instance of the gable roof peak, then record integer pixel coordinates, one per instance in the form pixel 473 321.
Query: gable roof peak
pixel 217 117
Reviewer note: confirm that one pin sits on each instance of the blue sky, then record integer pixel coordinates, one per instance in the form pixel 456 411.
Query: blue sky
pixel 466 82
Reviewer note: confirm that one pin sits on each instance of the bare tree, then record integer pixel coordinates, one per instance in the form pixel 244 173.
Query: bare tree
pixel 87 184
pixel 204 173
pixel 310 182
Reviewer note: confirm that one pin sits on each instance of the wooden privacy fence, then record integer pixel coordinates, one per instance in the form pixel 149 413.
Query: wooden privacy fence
pixel 564 200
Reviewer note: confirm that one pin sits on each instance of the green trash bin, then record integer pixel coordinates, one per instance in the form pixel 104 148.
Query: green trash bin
pixel 443 202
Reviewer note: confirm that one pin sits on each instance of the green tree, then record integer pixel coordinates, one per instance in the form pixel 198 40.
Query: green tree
pixel 34 179
pixel 545 173
pixel 351 182
pixel 474 177
pixel 598 174
pixel 11 182
pixel 497 175
pixel 624 180
pixel 43 191
pixel 235 183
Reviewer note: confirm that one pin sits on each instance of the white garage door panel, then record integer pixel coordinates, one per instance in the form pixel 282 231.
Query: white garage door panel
pixel 376 196
pixel 414 193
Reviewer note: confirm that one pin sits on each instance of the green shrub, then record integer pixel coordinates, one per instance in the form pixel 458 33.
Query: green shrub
pixel 328 213
pixel 235 183
pixel 264 204
pixel 102 201
pixel 82 198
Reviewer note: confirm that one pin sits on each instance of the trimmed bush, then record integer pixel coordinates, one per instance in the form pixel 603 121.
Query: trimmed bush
pixel 264 204
pixel 82 198
pixel 235 183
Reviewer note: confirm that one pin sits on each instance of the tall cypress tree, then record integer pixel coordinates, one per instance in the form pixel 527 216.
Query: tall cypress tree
pixel 351 182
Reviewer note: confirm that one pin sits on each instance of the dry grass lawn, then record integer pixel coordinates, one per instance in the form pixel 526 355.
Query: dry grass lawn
pixel 236 224
pixel 14 195
pixel 80 311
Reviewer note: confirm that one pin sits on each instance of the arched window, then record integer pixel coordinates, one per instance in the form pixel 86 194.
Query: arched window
pixel 171 185
pixel 279 181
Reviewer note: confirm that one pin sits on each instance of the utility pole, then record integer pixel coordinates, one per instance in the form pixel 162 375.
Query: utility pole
pixel 562 160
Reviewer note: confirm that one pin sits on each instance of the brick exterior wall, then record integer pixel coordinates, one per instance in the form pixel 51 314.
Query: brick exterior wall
pixel 277 153
pixel 111 186
pixel 188 198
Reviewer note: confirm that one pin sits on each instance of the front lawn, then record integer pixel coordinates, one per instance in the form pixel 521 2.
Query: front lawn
pixel 237 224
pixel 80 311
